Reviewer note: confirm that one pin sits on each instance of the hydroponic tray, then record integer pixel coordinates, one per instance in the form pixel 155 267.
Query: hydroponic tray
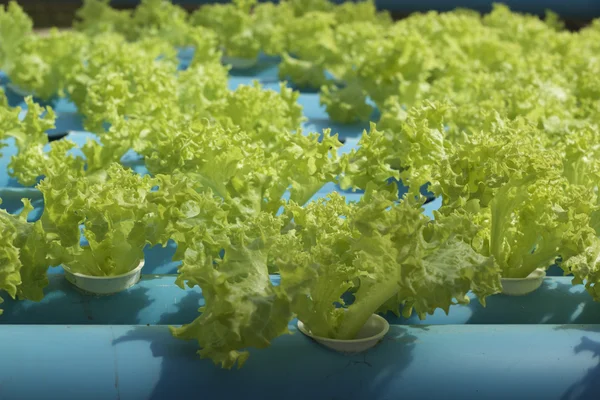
pixel 72 346
pixel 496 362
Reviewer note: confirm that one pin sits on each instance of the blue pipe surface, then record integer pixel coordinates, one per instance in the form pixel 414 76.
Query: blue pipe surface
pixel 156 300
pixel 465 362
pixel 584 9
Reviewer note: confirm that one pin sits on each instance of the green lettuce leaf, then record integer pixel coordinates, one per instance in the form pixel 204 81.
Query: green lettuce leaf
pixel 97 17
pixel 234 25
pixel 243 308
pixel 387 254
pixel 10 264
pixel 15 26
pixel 347 105
pixel 29 134
pixel 43 65
pixel 25 255
pixel 114 214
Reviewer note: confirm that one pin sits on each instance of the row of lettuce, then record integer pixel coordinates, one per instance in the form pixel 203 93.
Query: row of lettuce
pixel 498 114
pixel 358 57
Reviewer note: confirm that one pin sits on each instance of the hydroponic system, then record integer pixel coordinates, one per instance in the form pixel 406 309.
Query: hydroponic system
pixel 299 200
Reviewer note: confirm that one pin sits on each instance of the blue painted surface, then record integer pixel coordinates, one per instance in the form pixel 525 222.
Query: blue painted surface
pixel 156 300
pixel 557 301
pixel 434 362
pixel 67 118
pixel 265 69
pixel 6 153
pixel 185 55
pixel 15 99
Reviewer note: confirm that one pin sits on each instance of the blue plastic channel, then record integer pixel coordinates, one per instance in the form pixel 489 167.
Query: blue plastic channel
pixel 582 9
pixel 312 89
pixel 156 300
pixel 557 301
pixel 344 131
pixel 68 119
pixel 312 109
pixel 555 270
pixel 16 99
pixel 6 153
pixel 548 362
pixel 185 56
pixel 265 70
pixel 64 124
pixel 318 119
pixel 13 99
pixel 185 53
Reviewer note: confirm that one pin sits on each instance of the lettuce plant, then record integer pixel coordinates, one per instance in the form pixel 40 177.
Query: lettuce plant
pixel 234 25
pixel 386 253
pixel 531 208
pixel 24 256
pixel 15 26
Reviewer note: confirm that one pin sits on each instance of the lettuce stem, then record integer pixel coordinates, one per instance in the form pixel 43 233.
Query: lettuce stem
pixel 358 313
